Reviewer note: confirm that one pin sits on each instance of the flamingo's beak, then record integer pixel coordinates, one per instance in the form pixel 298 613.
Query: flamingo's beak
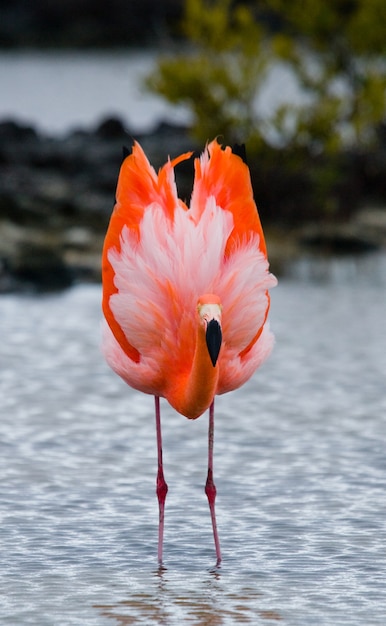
pixel 213 340
pixel 209 310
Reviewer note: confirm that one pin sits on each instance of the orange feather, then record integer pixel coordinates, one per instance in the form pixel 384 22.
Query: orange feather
pixel 185 291
pixel 160 261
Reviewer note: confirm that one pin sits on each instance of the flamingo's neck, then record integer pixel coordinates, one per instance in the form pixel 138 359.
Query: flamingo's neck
pixel 195 392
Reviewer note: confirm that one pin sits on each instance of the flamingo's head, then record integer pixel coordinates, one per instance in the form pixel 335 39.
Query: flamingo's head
pixel 209 312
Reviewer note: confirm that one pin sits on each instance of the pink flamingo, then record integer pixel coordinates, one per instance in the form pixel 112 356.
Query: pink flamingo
pixel 185 290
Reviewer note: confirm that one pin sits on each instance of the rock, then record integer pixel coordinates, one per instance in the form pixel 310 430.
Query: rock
pixel 77 238
pixel 56 198
pixel 13 131
pixel 57 194
pixel 338 239
pixel 111 128
pixel 40 268
pixel 372 221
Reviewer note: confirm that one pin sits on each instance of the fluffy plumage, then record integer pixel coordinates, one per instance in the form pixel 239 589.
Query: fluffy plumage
pixel 159 257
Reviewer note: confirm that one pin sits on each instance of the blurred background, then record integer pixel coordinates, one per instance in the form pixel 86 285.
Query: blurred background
pixel 300 449
pixel 302 86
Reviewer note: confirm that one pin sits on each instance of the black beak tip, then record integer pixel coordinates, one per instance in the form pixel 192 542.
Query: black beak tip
pixel 213 340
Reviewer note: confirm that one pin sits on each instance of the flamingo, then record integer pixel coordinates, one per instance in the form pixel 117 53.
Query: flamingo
pixel 185 290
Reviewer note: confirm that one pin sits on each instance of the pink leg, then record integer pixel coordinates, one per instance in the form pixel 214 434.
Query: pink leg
pixel 162 487
pixel 210 488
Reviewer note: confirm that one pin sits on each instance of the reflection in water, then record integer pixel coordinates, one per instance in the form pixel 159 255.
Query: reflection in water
pixel 140 606
pixel 211 606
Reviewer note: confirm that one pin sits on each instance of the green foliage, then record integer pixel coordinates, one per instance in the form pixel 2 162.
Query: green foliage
pixel 219 77
pixel 334 48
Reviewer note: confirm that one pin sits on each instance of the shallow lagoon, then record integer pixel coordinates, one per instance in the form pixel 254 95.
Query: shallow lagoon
pixel 299 465
pixel 299 451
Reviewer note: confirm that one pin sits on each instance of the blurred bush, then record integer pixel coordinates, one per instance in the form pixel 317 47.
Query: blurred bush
pixel 316 157
pixel 334 49
pixel 217 78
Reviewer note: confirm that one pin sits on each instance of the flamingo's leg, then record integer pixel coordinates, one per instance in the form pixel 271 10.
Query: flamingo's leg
pixel 162 487
pixel 210 487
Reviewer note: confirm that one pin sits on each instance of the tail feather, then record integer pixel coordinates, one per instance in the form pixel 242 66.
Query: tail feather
pixel 138 187
pixel 224 175
pixel 222 179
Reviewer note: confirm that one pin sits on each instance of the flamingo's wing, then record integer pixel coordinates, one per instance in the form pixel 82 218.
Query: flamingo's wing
pixel 138 187
pixel 224 175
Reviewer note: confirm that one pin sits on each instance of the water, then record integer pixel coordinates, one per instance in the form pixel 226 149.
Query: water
pixel 299 465
pixel 64 90
pixel 299 451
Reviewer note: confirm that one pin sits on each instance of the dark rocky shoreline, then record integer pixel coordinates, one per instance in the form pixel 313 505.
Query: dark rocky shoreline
pixel 56 197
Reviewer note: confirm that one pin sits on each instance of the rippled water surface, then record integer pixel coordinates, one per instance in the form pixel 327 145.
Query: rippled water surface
pixel 300 469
